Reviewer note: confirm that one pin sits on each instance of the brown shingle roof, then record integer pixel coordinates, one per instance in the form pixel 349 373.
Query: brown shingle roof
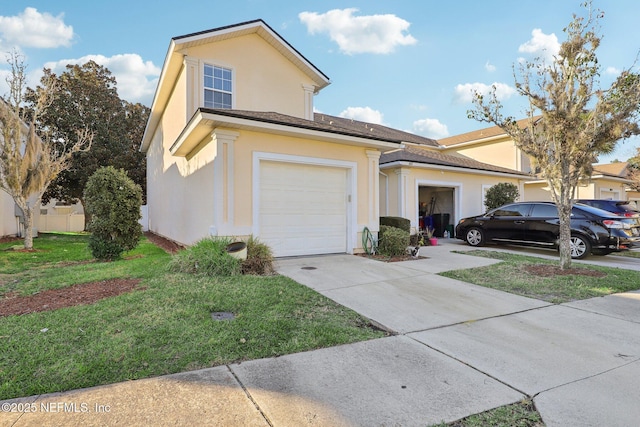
pixel 618 169
pixel 426 156
pixel 327 123
pixel 373 129
pixel 479 134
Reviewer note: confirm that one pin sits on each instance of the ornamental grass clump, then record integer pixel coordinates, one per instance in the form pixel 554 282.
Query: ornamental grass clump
pixel 259 258
pixel 208 257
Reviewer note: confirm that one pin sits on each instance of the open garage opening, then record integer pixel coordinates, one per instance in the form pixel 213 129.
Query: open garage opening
pixel 436 208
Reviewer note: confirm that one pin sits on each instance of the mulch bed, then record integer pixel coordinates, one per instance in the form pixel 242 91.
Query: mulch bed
pixel 53 299
pixel 549 270
pixel 385 258
pixel 80 294
pixel 168 245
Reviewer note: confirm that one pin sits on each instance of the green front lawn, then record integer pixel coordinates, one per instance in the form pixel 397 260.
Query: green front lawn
pixel 513 275
pixel 162 327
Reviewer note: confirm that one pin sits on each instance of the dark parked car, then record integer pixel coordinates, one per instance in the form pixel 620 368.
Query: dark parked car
pixel 593 230
pixel 618 207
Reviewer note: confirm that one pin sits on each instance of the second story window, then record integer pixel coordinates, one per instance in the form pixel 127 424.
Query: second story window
pixel 217 87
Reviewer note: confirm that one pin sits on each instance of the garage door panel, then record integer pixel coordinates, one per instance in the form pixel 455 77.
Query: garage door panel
pixel 303 208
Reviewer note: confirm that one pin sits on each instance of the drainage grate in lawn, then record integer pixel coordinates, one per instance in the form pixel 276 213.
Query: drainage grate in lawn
pixel 222 315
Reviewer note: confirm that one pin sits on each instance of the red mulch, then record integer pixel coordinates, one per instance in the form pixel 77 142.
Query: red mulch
pixel 53 299
pixel 80 294
pixel 550 270
pixel 7 239
pixel 385 258
pixel 168 245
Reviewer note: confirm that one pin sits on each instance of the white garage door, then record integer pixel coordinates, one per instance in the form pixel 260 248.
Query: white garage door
pixel 303 208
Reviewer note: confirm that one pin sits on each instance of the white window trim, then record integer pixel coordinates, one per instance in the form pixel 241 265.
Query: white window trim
pixel 352 174
pixel 201 80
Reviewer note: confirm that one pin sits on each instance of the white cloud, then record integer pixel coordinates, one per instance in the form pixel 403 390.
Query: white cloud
pixel 489 67
pixel 34 29
pixel 359 34
pixel 363 114
pixel 541 45
pixel 137 79
pixel 612 71
pixel 464 93
pixel 431 128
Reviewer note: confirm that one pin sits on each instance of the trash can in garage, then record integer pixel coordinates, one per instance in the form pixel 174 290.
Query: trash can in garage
pixel 440 222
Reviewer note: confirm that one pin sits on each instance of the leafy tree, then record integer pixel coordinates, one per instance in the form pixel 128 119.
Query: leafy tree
pixel 113 200
pixel 31 160
pixel 87 96
pixel 501 194
pixel 577 122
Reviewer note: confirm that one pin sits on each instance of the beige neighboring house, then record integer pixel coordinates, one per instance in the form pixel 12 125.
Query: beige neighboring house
pixel 493 145
pixel 234 148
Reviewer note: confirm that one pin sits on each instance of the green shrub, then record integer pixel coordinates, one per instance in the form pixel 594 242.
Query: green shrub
pixel 501 194
pixel 397 222
pixel 112 200
pixel 394 241
pixel 259 258
pixel 208 257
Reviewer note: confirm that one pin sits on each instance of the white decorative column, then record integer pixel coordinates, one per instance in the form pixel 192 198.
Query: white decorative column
pixel 309 90
pixel 192 73
pixel 223 194
pixel 374 188
pixel 403 177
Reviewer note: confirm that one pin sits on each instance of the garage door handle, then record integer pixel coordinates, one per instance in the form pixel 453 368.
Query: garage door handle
pixel 518 222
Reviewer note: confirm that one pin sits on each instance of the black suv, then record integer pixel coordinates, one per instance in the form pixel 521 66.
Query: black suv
pixel 593 230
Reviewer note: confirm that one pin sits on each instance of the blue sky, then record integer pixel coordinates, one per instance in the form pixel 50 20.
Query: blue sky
pixel 405 64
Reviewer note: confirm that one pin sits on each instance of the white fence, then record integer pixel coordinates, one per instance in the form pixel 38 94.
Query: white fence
pixel 61 222
pixel 65 220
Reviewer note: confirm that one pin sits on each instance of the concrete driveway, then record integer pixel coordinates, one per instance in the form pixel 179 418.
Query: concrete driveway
pixel 579 361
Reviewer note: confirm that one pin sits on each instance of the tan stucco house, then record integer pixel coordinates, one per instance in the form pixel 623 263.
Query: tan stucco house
pixel 234 148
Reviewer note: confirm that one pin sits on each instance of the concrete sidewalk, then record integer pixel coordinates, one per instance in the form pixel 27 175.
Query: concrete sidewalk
pixel 460 349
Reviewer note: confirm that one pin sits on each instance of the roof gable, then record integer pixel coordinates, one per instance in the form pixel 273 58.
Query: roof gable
pixel 261 28
pixel 481 134
pixel 175 55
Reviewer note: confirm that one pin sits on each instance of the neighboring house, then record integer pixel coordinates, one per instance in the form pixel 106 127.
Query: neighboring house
pixel 490 145
pixel 234 149
pixel 417 182
pixel 493 145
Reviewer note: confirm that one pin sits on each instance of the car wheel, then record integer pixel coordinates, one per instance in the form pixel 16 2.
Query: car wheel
pixel 475 237
pixel 580 247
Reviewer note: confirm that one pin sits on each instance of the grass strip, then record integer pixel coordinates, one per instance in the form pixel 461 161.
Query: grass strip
pixel 512 275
